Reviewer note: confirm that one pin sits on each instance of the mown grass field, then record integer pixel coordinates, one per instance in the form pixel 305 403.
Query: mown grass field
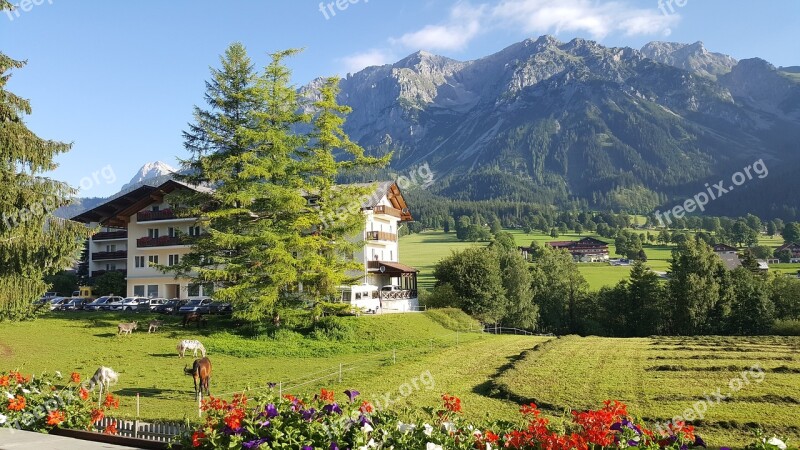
pixel 659 378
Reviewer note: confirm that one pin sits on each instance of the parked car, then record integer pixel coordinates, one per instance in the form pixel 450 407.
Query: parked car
pixel 103 303
pixel 201 306
pixel 170 306
pixel 129 304
pixel 55 302
pixel 74 304
pixel 220 308
pixel 150 304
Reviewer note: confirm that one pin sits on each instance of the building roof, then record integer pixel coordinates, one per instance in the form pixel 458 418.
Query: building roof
pixel 731 260
pixel 117 208
pixel 392 268
pixel 586 242
pixel 724 248
pixel 789 246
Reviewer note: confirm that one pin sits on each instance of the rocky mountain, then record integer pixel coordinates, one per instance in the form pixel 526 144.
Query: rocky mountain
pixel 150 170
pixel 551 121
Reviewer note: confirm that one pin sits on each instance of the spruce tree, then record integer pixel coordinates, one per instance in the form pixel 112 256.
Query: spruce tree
pixel 33 243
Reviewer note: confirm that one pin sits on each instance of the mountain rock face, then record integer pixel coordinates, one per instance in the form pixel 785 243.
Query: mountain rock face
pixel 691 57
pixel 148 171
pixel 551 121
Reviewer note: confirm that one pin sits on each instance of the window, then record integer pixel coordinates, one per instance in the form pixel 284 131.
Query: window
pixel 194 290
pixel 156 208
pixel 152 290
pixel 391 255
pixel 110 267
pixel 171 232
pixel 139 262
pixel 152 259
pixel 111 248
pixel 152 233
pixel 194 231
pixel 174 260
pixel 138 290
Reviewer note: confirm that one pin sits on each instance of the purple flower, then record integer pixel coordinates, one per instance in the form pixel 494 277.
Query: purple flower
pixel 632 443
pixel 228 431
pixel 272 385
pixel 254 444
pixel 699 442
pixel 362 420
pixel 308 414
pixel 307 447
pixel 724 448
pixel 334 446
pixel 332 408
pixel 617 426
pixel 270 412
pixel 351 394
pixel 265 424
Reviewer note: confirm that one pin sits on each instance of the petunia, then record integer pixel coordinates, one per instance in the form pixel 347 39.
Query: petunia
pixel 308 414
pixel 405 427
pixel 334 446
pixel 432 446
pixel 270 412
pixel 427 429
pixel 3 419
pixel 352 394
pixel 699 442
pixel 774 441
pixel 254 444
pixel 332 408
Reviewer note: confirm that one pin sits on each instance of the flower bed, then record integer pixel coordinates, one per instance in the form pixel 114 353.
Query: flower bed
pixel 322 422
pixel 49 401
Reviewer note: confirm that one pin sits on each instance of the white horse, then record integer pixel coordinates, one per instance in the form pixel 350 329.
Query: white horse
pixel 194 345
pixel 103 377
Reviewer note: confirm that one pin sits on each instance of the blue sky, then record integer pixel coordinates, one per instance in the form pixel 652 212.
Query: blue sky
pixel 119 79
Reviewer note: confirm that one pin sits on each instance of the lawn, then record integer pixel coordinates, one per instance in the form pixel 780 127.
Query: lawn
pixel 412 359
pixel 660 378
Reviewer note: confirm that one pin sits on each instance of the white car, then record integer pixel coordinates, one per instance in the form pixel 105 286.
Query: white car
pixel 128 304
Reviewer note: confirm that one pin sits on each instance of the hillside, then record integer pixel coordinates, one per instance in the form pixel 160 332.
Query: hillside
pixel 548 121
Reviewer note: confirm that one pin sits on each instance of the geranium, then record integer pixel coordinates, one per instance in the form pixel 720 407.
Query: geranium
pixel 110 428
pixel 17 403
pixel 452 403
pixel 97 415
pixel 366 407
pixel 83 393
pixel 75 377
pixel 196 437
pixel 327 396
pixel 110 401
pixel 4 380
pixel 55 418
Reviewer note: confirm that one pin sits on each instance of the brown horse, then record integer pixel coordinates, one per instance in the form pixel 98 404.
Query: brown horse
pixel 194 317
pixel 200 371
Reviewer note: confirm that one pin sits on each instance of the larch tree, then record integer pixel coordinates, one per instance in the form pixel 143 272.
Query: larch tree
pixel 33 243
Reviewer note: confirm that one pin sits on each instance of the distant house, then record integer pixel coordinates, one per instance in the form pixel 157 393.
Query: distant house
pixel 585 250
pixel 793 248
pixel 729 256
pixel 725 249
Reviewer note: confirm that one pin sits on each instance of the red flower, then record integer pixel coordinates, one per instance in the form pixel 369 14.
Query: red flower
pixel 110 428
pixel 196 436
pixel 4 380
pixel 83 394
pixel 366 407
pixel 214 403
pixel 16 404
pixel 97 415
pixel 491 437
pixel 75 377
pixel 234 419
pixel 452 403
pixel 110 401
pixel 326 395
pixel 55 418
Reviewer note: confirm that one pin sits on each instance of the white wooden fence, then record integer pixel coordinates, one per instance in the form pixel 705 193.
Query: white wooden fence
pixel 159 432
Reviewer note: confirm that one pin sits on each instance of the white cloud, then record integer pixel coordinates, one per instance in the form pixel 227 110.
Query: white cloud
pixel 599 19
pixel 464 24
pixel 373 57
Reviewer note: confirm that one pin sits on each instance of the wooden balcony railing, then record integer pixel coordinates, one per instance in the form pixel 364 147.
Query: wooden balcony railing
pixel 399 295
pixel 163 241
pixel 388 210
pixel 381 236
pixel 108 235
pixel 149 216
pixel 100 256
pixel 99 273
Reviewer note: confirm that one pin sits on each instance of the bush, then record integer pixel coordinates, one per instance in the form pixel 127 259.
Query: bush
pixel 442 296
pixel 454 319
pixel 786 328
pixel 333 328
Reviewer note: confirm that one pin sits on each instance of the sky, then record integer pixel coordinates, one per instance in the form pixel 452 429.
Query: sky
pixel 120 79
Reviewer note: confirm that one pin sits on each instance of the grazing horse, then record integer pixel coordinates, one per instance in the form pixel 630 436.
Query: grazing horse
pixel 194 345
pixel 154 325
pixel 126 328
pixel 194 317
pixel 200 371
pixel 103 377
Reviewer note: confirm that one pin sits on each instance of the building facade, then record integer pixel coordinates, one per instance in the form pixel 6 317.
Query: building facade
pixel 585 250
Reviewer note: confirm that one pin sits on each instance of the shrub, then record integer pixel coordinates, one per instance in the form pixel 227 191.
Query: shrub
pixel 333 328
pixel 786 328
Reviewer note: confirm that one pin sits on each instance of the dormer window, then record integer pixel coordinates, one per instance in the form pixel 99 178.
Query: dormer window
pixel 156 208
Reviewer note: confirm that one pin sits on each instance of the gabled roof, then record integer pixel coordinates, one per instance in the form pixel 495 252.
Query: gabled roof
pixel 789 245
pixel 724 248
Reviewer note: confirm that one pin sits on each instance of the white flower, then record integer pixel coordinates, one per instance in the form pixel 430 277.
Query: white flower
pixel 777 443
pixel 58 375
pixel 488 446
pixel 9 395
pixel 25 391
pixel 427 429
pixel 405 427
pixel 2 419
pixel 370 444
pixel 366 428
pixel 432 446
pixel 449 427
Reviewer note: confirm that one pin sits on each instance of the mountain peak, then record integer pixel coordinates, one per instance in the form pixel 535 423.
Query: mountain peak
pixel 151 170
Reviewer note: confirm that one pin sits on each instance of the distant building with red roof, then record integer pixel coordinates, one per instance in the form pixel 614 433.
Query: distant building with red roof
pixel 585 250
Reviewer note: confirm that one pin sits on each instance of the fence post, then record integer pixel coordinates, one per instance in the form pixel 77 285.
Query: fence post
pixel 136 428
pixel 200 404
pixel 137 405
pixel 394 356
pixel 280 389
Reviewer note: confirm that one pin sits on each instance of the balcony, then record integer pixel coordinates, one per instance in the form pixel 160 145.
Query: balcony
pixel 150 216
pixel 381 236
pixel 404 294
pixel 104 256
pixel 163 241
pixel 100 273
pixel 387 210
pixel 110 235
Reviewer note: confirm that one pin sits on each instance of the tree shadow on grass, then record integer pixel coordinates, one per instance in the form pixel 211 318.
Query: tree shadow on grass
pixel 105 335
pixel 149 392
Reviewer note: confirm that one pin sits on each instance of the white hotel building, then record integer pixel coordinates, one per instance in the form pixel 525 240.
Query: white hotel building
pixel 138 229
